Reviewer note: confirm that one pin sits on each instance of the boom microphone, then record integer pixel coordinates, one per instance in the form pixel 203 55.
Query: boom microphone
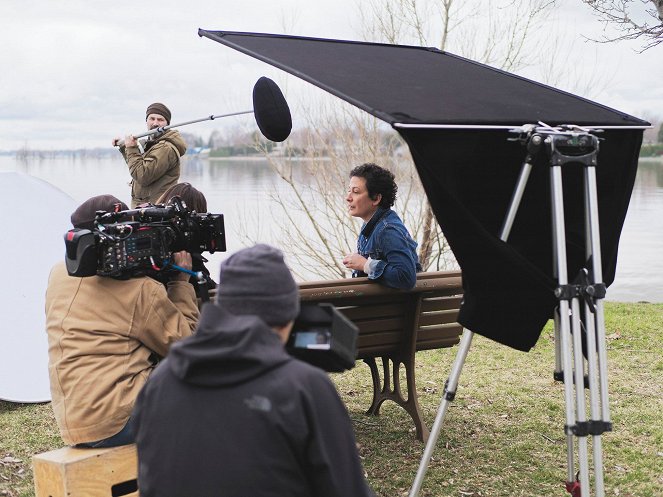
pixel 271 110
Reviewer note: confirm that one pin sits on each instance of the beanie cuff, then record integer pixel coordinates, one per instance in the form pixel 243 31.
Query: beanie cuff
pixel 160 109
pixel 272 309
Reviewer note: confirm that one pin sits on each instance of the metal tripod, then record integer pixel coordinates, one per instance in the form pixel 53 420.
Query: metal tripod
pixel 580 310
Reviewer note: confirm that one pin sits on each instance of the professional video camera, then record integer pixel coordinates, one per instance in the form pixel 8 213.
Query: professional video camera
pixel 141 241
pixel 323 337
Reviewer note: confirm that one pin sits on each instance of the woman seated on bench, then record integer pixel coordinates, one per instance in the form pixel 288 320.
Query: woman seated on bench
pixel 386 252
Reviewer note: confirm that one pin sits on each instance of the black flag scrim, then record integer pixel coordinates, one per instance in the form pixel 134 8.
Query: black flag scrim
pixel 469 174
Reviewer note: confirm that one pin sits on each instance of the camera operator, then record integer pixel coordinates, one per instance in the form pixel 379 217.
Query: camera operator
pixel 195 201
pixel 105 336
pixel 230 412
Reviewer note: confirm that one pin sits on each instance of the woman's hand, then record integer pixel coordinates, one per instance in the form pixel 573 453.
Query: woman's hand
pixel 354 261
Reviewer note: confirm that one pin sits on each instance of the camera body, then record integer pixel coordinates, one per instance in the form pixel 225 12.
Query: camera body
pixel 140 241
pixel 323 337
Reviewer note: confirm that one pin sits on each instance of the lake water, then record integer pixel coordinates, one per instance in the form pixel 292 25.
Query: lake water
pixel 242 191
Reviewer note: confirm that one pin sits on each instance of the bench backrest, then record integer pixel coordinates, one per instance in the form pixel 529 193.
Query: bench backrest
pixel 387 318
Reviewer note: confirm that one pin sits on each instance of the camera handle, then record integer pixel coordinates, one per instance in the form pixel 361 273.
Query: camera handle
pixel 201 281
pixel 200 277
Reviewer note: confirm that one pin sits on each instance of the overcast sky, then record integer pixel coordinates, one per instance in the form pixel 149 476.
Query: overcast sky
pixel 76 73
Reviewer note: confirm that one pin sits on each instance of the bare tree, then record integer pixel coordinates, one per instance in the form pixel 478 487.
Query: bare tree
pixel 493 33
pixel 337 136
pixel 318 229
pixel 635 19
pixel 496 36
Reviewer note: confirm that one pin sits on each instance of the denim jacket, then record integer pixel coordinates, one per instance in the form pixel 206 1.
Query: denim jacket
pixel 391 249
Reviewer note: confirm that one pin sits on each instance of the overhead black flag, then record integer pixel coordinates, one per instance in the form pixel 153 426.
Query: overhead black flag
pixel 455 115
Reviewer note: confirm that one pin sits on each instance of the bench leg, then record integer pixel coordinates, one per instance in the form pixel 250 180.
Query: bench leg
pixel 379 393
pixel 382 391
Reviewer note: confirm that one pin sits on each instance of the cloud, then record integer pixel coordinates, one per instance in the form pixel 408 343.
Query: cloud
pixel 77 73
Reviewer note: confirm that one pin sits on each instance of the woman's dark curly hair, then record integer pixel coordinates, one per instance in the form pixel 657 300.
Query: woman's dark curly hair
pixel 379 181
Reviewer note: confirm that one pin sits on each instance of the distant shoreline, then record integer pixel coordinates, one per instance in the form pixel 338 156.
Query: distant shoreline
pixel 257 158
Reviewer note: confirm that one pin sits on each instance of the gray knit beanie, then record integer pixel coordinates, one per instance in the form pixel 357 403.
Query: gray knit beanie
pixel 256 281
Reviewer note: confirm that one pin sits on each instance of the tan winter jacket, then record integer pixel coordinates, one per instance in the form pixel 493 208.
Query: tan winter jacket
pixel 157 169
pixel 102 333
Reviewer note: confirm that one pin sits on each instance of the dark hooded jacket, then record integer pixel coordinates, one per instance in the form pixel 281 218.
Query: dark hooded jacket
pixel 230 413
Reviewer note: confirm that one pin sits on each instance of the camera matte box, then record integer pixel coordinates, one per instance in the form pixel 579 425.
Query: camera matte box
pixel 336 349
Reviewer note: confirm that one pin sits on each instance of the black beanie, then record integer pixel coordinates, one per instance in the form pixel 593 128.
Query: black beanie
pixel 158 108
pixel 256 281
pixel 84 215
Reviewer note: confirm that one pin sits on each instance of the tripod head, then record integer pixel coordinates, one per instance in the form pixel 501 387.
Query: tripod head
pixel 562 144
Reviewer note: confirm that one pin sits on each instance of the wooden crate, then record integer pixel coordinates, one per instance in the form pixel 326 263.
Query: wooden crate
pixel 71 472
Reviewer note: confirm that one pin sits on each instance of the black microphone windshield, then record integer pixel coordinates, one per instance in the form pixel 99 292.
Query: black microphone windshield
pixel 271 110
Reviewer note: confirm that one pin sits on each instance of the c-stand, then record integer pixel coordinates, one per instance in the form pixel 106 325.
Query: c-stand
pixel 579 310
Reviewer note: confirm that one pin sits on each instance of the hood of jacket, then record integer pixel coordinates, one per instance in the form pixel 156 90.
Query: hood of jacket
pixel 172 136
pixel 226 350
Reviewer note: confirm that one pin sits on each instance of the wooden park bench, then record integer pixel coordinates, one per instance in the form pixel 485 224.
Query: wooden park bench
pixel 393 326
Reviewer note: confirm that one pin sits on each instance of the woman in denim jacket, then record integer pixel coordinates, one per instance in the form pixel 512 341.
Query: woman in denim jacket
pixel 386 252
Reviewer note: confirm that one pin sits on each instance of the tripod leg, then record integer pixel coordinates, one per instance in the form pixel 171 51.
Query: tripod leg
pixel 565 351
pixel 595 412
pixel 599 404
pixel 557 375
pixel 581 409
pixel 597 275
pixel 596 342
pixel 559 237
pixel 447 397
pixel 466 341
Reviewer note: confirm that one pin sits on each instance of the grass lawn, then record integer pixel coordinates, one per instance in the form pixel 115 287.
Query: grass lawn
pixel 502 436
